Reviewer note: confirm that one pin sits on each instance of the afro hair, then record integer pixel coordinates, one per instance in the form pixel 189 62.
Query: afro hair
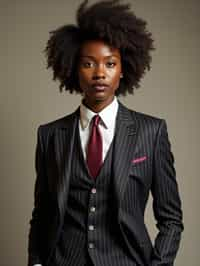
pixel 109 21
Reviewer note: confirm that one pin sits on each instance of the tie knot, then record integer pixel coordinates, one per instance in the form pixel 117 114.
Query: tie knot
pixel 96 120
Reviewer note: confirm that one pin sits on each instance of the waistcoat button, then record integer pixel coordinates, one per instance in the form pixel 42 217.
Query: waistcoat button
pixel 91 245
pixel 93 190
pixel 91 227
pixel 92 209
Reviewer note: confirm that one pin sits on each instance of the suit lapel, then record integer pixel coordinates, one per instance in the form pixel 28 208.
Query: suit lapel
pixel 124 149
pixel 64 140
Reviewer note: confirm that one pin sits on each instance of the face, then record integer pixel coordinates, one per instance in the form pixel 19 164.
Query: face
pixel 99 71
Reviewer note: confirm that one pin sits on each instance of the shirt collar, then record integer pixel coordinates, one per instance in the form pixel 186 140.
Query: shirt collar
pixel 108 114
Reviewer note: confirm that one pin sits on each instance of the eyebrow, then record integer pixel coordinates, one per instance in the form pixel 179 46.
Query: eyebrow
pixel 93 57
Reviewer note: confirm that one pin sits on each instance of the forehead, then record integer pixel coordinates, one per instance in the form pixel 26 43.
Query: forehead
pixel 98 48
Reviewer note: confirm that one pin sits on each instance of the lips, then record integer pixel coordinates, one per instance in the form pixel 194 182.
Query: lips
pixel 99 86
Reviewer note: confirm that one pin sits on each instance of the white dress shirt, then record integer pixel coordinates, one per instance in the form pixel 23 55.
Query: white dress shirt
pixel 106 125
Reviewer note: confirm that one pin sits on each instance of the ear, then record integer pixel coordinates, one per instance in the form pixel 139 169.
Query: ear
pixel 121 76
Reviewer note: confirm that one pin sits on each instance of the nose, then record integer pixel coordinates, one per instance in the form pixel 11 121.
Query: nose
pixel 98 73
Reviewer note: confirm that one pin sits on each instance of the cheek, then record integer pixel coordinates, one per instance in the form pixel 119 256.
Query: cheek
pixel 84 80
pixel 84 76
pixel 115 73
pixel 116 77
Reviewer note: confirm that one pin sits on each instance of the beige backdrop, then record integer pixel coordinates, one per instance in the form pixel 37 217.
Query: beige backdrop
pixel 29 97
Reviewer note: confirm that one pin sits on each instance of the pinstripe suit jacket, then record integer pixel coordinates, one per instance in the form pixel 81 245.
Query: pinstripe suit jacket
pixel 142 161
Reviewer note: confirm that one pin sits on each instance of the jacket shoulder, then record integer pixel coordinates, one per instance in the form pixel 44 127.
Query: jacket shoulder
pixel 61 122
pixel 148 123
pixel 147 118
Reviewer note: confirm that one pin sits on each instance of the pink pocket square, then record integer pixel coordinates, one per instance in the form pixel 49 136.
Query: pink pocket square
pixel 138 160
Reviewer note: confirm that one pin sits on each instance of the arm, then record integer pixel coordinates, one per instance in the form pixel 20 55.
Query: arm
pixel 35 240
pixel 166 202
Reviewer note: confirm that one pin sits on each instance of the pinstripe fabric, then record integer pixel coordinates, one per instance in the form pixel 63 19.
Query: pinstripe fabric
pixel 137 136
pixel 73 247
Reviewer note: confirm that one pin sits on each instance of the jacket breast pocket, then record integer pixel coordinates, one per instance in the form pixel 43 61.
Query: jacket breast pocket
pixel 141 173
pixel 137 189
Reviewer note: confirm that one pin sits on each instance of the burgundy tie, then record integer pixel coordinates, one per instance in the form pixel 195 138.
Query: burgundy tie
pixel 94 148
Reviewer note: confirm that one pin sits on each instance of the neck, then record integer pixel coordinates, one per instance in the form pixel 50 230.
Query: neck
pixel 97 106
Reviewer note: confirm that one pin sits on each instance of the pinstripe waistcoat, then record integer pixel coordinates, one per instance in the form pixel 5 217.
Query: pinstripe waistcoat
pixel 90 232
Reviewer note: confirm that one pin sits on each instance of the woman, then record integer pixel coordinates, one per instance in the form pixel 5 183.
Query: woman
pixel 96 167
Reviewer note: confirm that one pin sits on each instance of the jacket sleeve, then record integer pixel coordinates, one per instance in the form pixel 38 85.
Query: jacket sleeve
pixel 166 202
pixel 36 233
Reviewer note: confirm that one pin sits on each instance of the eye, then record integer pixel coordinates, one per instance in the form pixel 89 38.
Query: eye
pixel 110 64
pixel 87 64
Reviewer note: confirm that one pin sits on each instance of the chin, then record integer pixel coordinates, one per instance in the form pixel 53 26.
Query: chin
pixel 99 100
